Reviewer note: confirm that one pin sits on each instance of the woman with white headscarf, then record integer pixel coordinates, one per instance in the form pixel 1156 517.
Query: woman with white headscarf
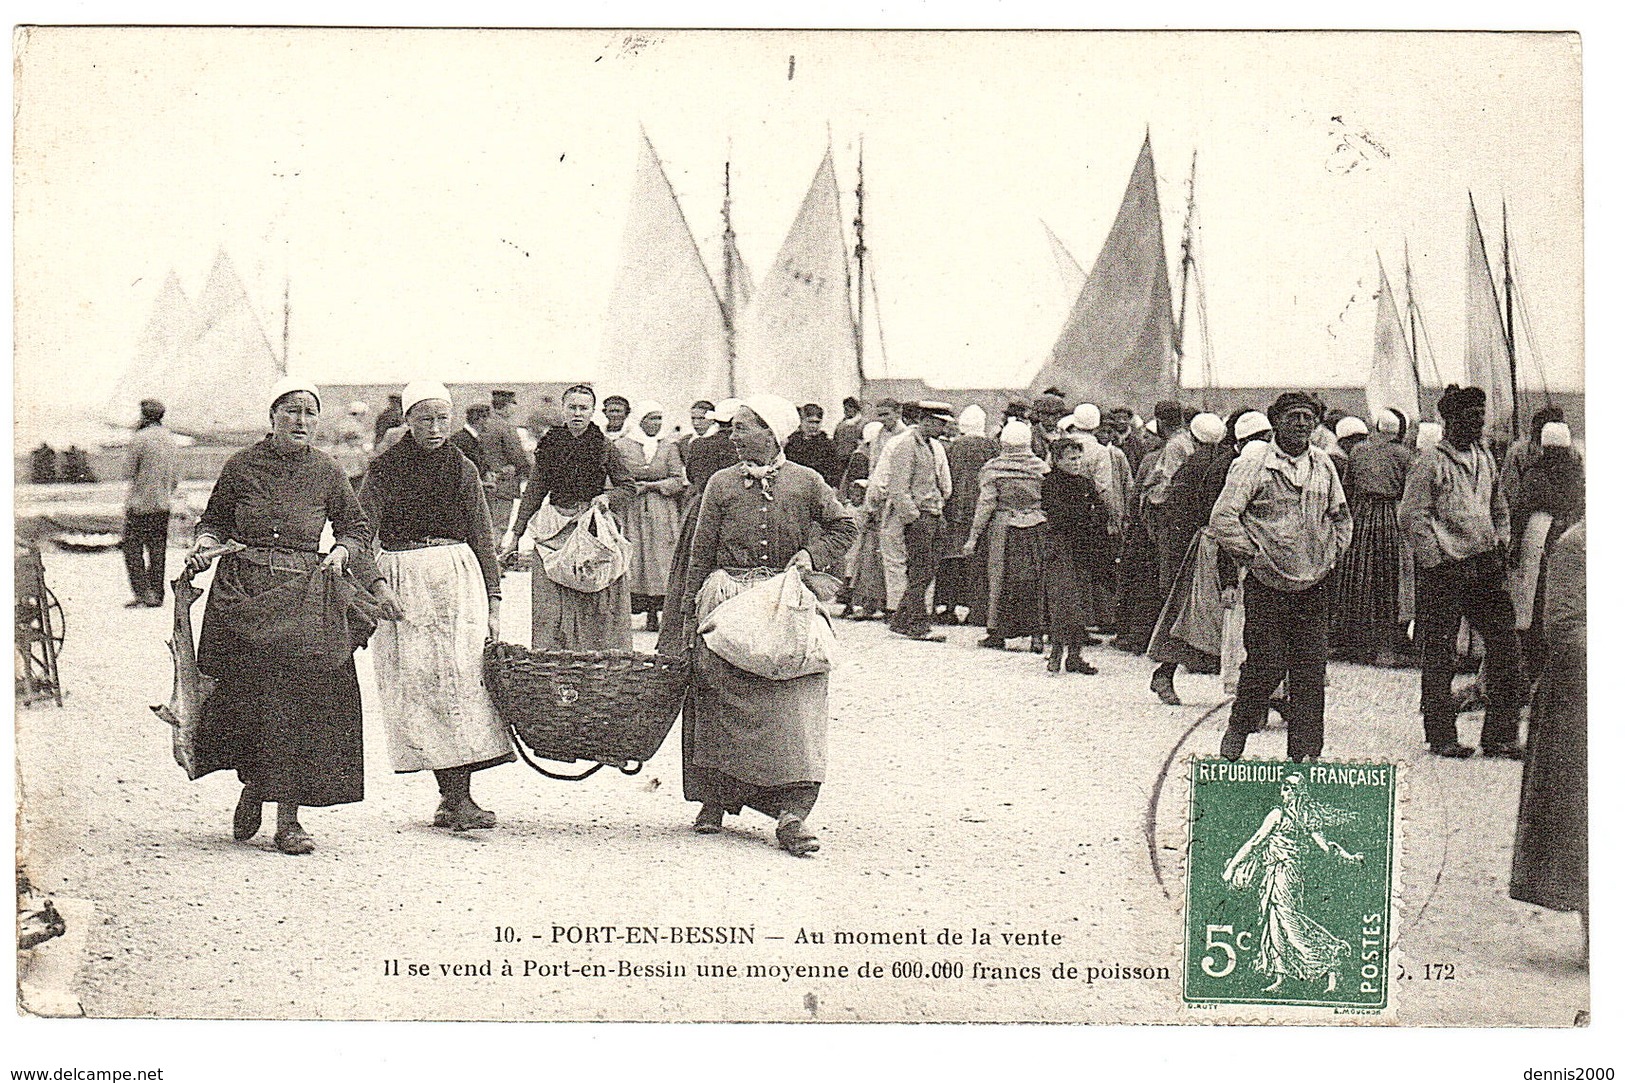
pixel 1190 626
pixel 749 740
pixel 432 526
pixel 1009 507
pixel 961 579
pixel 285 712
pixel 654 518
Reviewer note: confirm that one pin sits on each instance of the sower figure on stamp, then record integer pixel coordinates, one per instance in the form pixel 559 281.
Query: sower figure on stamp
pixel 1283 516
pixel 1457 520
pixel 1290 942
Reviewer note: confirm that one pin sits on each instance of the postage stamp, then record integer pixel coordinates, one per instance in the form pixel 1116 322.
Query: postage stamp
pixel 1289 884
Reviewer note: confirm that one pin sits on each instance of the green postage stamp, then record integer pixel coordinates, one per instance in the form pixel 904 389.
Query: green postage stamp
pixel 1289 897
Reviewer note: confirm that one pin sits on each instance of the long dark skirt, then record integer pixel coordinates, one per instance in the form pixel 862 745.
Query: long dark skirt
pixel 866 589
pixel 1139 602
pixel 292 732
pixel 1068 585
pixel 1185 609
pixel 1366 596
pixel 1550 861
pixel 751 741
pixel 962 580
pixel 1015 569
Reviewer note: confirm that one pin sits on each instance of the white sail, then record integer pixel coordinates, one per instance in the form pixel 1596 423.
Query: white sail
pixel 222 375
pixel 664 335
pixel 797 337
pixel 169 329
pixel 1392 382
pixel 1067 266
pixel 1489 355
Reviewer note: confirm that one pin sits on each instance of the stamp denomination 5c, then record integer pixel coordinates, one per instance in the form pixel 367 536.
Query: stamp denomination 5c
pixel 1289 883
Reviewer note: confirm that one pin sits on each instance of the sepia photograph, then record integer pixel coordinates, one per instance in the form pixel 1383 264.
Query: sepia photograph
pixel 800 526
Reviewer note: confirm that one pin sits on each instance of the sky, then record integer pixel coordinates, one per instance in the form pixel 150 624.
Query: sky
pixel 450 203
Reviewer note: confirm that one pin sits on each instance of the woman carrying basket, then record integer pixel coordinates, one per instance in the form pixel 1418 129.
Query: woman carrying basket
pixel 433 525
pixel 576 469
pixel 286 711
pixel 747 739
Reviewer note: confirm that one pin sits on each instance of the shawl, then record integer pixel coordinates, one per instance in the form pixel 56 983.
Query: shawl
pixel 419 489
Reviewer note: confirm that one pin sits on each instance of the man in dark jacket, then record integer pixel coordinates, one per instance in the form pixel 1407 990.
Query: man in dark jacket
pixel 811 446
pixel 505 458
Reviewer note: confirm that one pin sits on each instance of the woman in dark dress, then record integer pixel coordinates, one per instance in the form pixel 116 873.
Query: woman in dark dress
pixel 433 524
pixel 1009 508
pixel 962 580
pixel 1550 860
pixel 1075 529
pixel 1188 628
pixel 749 740
pixel 286 718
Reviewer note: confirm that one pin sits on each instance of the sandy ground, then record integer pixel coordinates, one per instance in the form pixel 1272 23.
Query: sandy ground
pixel 967 789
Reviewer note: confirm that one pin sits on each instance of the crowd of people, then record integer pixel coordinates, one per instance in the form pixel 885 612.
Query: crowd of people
pixel 1257 545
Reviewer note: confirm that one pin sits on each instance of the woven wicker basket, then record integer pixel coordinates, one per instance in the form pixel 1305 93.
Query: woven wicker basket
pixel 612 707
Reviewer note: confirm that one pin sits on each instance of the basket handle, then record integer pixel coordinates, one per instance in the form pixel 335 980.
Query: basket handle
pixel 519 746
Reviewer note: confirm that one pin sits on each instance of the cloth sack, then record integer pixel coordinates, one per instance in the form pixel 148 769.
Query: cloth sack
pixel 314 620
pixel 776 629
pixel 591 558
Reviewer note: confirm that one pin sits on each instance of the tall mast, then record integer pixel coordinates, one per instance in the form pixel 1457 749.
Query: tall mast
pixel 728 266
pixel 1410 319
pixel 858 252
pixel 1185 260
pixel 1512 353
pixel 286 319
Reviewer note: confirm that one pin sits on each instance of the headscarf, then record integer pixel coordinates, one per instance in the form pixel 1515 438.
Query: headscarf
pixel 1087 416
pixel 289 384
pixel 972 421
pixel 633 429
pixel 1428 435
pixel 724 411
pixel 422 391
pixel 1016 434
pixel 1352 426
pixel 1556 434
pixel 776 413
pixel 1251 424
pixel 1389 421
pixel 872 430
pixel 1207 428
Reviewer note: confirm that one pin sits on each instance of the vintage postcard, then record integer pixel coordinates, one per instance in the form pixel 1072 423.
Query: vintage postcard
pixel 794 526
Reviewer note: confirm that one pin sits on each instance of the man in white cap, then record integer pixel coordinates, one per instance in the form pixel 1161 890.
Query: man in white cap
pixel 911 486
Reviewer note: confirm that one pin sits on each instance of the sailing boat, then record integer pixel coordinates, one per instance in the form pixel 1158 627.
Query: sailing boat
pixel 1119 343
pixel 798 338
pixel 1495 348
pixel 665 329
pixel 1394 383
